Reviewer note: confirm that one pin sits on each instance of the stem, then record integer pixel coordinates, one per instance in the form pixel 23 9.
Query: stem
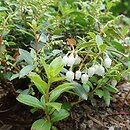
pixel 83 61
pixel 75 103
pixel 46 101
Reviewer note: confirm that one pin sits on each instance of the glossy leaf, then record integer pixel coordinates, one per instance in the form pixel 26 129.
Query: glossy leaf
pixel 59 115
pixel 111 88
pixel 56 79
pixel 59 90
pixel 29 100
pixel 26 70
pixel 118 46
pixel 55 105
pixel 99 92
pixel 40 84
pixel 80 91
pixel 43 63
pixel 56 66
pixel 14 76
pixel 86 87
pixel 41 124
pixel 106 97
pixel 25 55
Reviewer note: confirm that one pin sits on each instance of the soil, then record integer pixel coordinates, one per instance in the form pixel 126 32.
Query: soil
pixel 87 115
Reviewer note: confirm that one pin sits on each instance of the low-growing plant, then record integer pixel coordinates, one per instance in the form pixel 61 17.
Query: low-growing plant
pixel 53 110
pixel 79 45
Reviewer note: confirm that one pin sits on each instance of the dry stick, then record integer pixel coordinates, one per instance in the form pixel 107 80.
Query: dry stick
pixel 95 120
pixel 121 113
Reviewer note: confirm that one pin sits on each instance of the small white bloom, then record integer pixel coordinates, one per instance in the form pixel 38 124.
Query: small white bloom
pixel 100 71
pixel 96 67
pixel 71 60
pixel 77 59
pixel 84 78
pixel 65 59
pixel 70 75
pixel 78 75
pixel 114 83
pixel 107 62
pixel 91 71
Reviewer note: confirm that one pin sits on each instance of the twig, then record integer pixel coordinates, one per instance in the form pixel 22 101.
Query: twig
pixel 95 120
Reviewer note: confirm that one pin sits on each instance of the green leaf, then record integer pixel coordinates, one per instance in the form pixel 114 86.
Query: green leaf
pixel 56 66
pixel 59 115
pixel 23 31
pixel 14 76
pixel 3 8
pixel 118 46
pixel 106 97
pixel 80 91
pixel 92 35
pixel 99 40
pixel 43 63
pixel 111 88
pixel 25 55
pixel 56 79
pixel 103 47
pixel 55 105
pixel 41 124
pixel 99 92
pixel 40 84
pixel 86 87
pixel 42 100
pixel 26 70
pixel 55 93
pixel 29 100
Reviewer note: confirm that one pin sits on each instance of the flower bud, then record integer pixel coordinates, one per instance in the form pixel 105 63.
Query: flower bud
pixel 78 75
pixel 65 59
pixel 70 75
pixel 71 60
pixel 91 71
pixel 84 78
pixel 100 71
pixel 107 62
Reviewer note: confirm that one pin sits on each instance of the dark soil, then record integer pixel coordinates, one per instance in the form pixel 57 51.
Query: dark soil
pixel 87 115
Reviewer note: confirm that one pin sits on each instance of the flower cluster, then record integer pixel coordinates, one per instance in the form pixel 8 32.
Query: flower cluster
pixel 71 60
pixel 84 77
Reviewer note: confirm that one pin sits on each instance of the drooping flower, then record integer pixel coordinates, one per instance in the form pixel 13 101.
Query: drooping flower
pixel 107 62
pixel 84 78
pixel 65 59
pixel 78 74
pixel 100 70
pixel 71 60
pixel 70 75
pixel 77 59
pixel 91 71
pixel 114 83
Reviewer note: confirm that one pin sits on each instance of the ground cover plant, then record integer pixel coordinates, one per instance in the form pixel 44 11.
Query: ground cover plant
pixel 76 47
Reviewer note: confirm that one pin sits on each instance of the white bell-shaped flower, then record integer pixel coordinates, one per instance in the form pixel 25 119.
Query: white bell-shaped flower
pixel 107 62
pixel 100 70
pixel 65 59
pixel 84 78
pixel 77 59
pixel 114 83
pixel 70 75
pixel 78 74
pixel 91 71
pixel 71 60
pixel 96 67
